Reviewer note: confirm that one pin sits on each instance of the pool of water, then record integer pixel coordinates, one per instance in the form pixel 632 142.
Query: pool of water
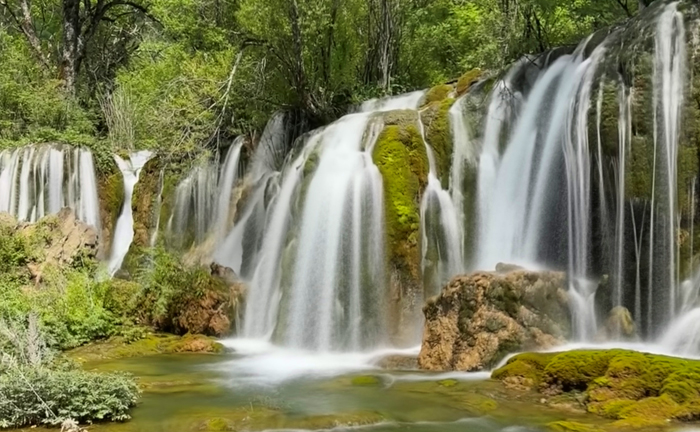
pixel 256 387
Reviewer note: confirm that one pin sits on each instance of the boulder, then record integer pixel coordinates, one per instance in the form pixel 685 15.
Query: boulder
pixel 213 309
pixel 620 324
pixel 63 240
pixel 480 318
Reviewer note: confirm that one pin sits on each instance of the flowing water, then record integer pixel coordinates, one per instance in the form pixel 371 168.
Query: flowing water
pixel 124 228
pixel 40 180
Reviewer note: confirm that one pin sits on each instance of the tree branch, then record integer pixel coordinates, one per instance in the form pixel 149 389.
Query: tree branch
pixel 26 26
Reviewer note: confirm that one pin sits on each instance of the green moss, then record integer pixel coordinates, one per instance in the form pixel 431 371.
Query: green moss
pixel 466 80
pixel 437 94
pixel 568 426
pixel 366 380
pixel 400 156
pixel 639 167
pixel 218 424
pixel 438 133
pixel 528 368
pixel 448 382
pixel 151 344
pixel 634 388
pixel 575 369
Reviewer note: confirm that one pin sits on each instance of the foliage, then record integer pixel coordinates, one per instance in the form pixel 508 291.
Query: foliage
pixel 183 75
pixel 35 388
pixel 172 295
pixel 68 301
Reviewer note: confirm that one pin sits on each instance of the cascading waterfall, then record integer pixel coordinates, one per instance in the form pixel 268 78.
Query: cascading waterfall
pixel 39 180
pixel 545 173
pixel 124 229
pixel 318 278
pixel 203 200
pixel 520 220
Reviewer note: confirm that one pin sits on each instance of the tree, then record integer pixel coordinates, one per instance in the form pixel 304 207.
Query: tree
pixel 79 22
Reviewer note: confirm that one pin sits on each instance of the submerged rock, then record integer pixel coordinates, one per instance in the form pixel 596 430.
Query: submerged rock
pixel 480 318
pixel 620 324
pixel 397 362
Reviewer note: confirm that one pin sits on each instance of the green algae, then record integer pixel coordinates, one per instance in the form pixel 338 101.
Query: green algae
pixel 366 380
pixel 152 344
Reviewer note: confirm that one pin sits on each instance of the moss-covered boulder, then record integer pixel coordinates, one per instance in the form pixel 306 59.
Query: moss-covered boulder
pixel 400 155
pixel 636 389
pixel 478 319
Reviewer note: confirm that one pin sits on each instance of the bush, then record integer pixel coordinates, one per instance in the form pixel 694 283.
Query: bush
pixel 38 388
pixel 32 396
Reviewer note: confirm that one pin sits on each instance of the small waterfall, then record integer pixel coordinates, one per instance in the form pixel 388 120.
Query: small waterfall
pixel 203 200
pixel 441 227
pixel 124 229
pixel 39 180
pixel 669 84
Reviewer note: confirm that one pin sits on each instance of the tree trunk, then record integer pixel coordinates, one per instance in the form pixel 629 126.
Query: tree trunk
pixel 69 50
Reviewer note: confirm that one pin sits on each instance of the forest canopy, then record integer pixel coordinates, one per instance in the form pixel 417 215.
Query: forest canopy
pixel 183 75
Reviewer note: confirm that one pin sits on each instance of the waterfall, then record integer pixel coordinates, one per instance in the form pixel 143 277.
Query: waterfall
pixel 124 229
pixel 310 237
pixel 441 227
pixel 36 181
pixel 203 200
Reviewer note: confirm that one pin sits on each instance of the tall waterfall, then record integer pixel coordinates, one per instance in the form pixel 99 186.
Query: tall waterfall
pixel 546 198
pixel 124 229
pixel 310 237
pixel 39 180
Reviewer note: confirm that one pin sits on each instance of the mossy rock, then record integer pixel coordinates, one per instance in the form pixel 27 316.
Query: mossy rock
pixel 527 369
pixel 448 382
pixel 218 424
pixel 636 389
pixel 437 94
pixel 401 159
pixel 466 81
pixel 438 133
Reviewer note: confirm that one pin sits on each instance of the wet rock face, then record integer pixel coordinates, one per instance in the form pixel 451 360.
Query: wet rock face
pixel 480 318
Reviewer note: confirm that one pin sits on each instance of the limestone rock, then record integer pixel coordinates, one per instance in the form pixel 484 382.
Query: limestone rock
pixel 480 318
pixel 620 325
pixel 64 239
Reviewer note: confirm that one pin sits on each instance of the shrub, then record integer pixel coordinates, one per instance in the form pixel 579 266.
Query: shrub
pixel 38 388
pixel 31 396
